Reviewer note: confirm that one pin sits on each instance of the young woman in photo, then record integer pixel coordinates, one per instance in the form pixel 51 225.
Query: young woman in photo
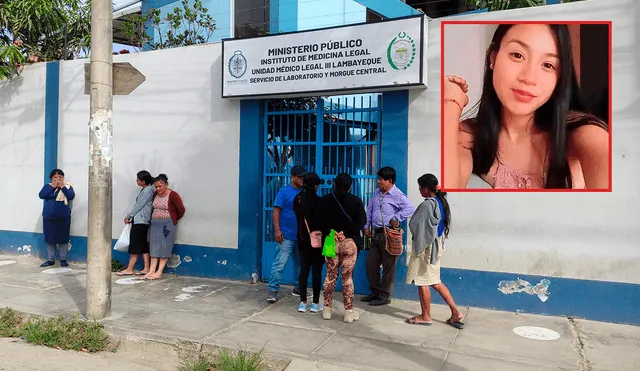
pixel 530 131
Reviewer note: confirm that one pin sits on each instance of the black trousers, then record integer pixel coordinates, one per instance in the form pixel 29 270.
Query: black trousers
pixel 311 260
pixel 378 255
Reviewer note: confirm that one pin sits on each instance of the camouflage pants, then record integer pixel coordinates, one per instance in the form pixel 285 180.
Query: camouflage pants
pixel 346 255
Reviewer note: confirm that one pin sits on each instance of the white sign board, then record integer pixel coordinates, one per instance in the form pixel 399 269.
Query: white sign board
pixel 367 57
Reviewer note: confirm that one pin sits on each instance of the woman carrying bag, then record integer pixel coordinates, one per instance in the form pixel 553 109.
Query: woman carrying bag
pixel 342 215
pixel 311 260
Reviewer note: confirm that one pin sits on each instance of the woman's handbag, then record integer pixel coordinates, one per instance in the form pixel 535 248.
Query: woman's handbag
pixel 315 236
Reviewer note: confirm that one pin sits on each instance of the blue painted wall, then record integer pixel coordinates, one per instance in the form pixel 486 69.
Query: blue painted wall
pixel 313 14
pixel 283 16
pixel 389 8
pixel 220 10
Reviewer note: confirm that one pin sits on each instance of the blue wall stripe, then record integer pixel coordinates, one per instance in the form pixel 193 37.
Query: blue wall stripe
pixel 250 185
pixel 593 300
pixel 394 151
pixel 52 93
pixel 395 134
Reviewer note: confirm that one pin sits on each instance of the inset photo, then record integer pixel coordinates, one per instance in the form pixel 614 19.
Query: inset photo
pixel 526 106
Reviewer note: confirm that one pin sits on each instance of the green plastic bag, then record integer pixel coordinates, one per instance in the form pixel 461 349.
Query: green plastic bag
pixel 329 247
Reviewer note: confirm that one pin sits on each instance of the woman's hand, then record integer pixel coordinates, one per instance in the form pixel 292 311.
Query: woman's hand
pixel 455 99
pixel 455 91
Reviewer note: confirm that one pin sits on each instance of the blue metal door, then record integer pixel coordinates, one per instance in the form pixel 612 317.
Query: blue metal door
pixel 325 135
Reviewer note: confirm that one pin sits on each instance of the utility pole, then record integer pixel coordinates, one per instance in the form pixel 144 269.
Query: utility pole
pixel 98 300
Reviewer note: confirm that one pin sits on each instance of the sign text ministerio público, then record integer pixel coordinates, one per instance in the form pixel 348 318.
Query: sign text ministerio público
pixel 316 53
pixel 385 55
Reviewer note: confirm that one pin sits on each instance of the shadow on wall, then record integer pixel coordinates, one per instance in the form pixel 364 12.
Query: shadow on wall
pixel 9 89
pixel 27 111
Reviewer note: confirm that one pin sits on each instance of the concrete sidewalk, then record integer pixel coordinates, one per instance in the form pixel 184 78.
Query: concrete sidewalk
pixel 236 314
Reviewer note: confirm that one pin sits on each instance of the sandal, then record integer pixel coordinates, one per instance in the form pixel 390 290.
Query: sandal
pixel 122 274
pixel 457 324
pixel 414 321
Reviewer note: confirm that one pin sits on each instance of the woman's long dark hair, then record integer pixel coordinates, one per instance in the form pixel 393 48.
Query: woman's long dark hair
pixel 551 118
pixel 309 183
pixel 145 176
pixel 430 182
pixel 162 178
pixel 342 184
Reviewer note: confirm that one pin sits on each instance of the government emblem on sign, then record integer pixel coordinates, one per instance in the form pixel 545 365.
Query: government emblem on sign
pixel 401 51
pixel 237 64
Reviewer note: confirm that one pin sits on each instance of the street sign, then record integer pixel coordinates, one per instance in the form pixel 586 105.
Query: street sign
pixel 126 78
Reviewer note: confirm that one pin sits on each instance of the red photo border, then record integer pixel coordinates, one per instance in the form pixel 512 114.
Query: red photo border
pixel 442 180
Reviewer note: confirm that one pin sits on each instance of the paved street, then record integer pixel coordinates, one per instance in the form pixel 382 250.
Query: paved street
pixel 204 312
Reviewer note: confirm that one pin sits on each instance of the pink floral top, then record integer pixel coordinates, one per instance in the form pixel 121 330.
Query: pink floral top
pixel 161 207
pixel 508 178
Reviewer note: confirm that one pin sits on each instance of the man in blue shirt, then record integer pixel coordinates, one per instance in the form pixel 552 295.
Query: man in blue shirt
pixel 286 233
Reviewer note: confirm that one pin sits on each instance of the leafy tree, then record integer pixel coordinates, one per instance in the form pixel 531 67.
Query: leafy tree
pixel 496 5
pixel 42 30
pixel 186 25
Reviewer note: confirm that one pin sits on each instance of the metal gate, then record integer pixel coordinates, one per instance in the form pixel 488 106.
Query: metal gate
pixel 327 136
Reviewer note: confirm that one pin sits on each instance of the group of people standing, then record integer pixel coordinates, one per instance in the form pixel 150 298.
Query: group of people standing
pixel 303 220
pixel 153 220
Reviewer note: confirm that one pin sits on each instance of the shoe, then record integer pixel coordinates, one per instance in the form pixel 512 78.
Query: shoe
pixel 272 296
pixel 295 292
pixel 326 313
pixel 48 263
pixel 303 308
pixel 351 315
pixel 63 263
pixel 379 301
pixel 316 307
pixel 370 297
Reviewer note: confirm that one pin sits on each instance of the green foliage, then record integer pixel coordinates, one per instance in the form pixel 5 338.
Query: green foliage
pixel 35 30
pixel 226 360
pixel 186 25
pixel 58 332
pixel 202 363
pixel 116 266
pixel 10 323
pixel 495 5
pixel 240 360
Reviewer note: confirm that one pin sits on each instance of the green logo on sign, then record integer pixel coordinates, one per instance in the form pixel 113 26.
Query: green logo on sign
pixel 401 51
